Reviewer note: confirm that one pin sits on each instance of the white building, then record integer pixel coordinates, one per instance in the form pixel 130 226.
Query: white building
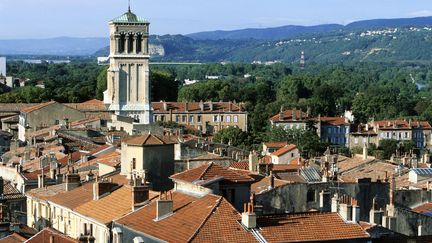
pixel 3 66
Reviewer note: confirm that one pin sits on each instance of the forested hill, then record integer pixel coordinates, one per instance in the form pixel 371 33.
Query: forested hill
pixel 289 31
pixel 410 44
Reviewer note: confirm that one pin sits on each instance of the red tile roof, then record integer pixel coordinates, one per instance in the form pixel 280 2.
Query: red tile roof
pixel 149 139
pixel 275 144
pixel 335 121
pixel 13 238
pixel 241 165
pixel 45 235
pixel 113 206
pixel 424 208
pixel 289 167
pixel 284 150
pixel 308 227
pixel 193 219
pixel 402 124
pixel 213 230
pixel 195 107
pixel 37 107
pixel 288 116
pixel 212 171
pixel 264 184
pixel 111 159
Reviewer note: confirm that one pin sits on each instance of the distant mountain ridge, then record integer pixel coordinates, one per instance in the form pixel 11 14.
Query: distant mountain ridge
pixel 289 31
pixel 60 46
pixel 330 42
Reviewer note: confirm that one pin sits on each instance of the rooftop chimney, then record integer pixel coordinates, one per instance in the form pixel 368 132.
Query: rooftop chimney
pixel 165 106
pixel 41 179
pixel 186 106
pixel 271 179
pixel 72 181
pixel 211 105
pixel 164 208
pixel 101 188
pixel 294 115
pixel 201 105
pixel 248 216
pixel 140 193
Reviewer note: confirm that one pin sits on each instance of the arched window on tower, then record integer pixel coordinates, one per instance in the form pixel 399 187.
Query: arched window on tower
pixel 130 42
pixel 139 43
pixel 121 43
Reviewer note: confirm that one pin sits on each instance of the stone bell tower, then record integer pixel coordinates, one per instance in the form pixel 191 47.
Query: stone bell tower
pixel 128 84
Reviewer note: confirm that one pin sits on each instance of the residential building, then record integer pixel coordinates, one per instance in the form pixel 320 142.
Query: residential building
pixel 233 185
pixel 86 209
pixel 205 117
pixel 419 132
pixel 270 147
pixel 149 156
pixel 362 136
pixel 285 155
pixel 291 119
pixel 211 218
pixel 334 130
pixel 45 115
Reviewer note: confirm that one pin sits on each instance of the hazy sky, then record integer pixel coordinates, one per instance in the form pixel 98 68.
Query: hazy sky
pixel 88 18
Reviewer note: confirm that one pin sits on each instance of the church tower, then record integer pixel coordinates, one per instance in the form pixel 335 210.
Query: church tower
pixel 128 84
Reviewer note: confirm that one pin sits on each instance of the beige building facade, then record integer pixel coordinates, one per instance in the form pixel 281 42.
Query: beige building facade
pixel 128 83
pixel 205 117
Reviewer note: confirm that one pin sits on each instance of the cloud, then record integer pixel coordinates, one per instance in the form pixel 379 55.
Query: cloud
pixel 421 13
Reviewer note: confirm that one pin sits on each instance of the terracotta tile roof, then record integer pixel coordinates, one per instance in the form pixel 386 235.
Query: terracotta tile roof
pixel 37 107
pixel 375 170
pixel 190 215
pixel 11 119
pixel 289 167
pixel 102 210
pixel 241 165
pixel 284 150
pixel 15 107
pixel 85 121
pixel 94 102
pixel 335 121
pixel 74 198
pixel 276 144
pixel 45 235
pixel 111 159
pixel 424 208
pixel 229 231
pixel 211 171
pixel 264 184
pixel 308 227
pixel 10 192
pixel 288 116
pixel 74 156
pixel 401 124
pixel 195 107
pixel 149 139
pixel 13 238
pixel 210 157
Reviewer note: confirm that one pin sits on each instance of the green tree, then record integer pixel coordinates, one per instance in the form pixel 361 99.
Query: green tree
pixel 101 83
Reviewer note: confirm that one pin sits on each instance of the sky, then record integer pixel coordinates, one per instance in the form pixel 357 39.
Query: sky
pixel 21 19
